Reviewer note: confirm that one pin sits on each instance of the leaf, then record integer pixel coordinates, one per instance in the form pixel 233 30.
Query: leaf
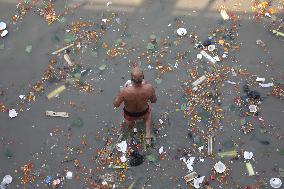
pixel 243 121
pixel 102 67
pixel 151 158
pixel 77 122
pixel 2 46
pixel 68 38
pixel 150 46
pixel 158 81
pixel 29 49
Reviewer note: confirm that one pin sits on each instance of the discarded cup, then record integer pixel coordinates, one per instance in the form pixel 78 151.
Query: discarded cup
pixel 220 167
pixel 4 33
pixel 211 48
pixel 69 175
pixel 6 180
pixel 13 113
pixel 181 32
pixel 275 182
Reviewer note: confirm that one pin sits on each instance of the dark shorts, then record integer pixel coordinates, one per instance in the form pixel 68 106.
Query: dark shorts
pixel 132 116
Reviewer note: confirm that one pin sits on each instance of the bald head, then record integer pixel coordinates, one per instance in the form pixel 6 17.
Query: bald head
pixel 137 75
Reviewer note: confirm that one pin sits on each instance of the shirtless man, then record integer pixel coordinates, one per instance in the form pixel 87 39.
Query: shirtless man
pixel 137 97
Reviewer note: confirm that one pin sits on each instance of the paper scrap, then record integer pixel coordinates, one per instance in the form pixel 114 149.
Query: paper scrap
pixel 122 146
pixel 13 113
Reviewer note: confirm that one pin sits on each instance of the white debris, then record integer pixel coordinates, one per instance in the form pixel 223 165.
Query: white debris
pixel 161 150
pixel 188 163
pixel 199 56
pixel 211 48
pixel 181 32
pixel 104 20
pixel 109 3
pixel 198 181
pixel 198 81
pixel 266 84
pixel 21 96
pixel 122 147
pixel 253 108
pixel 150 67
pixel 248 155
pixel 6 181
pixel 231 82
pixel 208 57
pixel 3 25
pixel 161 121
pixel 200 148
pixel 13 113
pixel 69 175
pixel 275 182
pixel 224 14
pixel 4 33
pixel 220 167
pixel 217 58
pixel 260 79
pixel 123 159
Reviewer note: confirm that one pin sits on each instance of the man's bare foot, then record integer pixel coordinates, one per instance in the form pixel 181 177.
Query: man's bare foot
pixel 149 140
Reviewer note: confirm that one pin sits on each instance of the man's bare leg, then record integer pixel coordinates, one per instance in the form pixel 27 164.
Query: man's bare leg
pixel 148 122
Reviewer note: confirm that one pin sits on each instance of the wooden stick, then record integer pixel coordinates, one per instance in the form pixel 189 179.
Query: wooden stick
pixel 56 114
pixel 62 49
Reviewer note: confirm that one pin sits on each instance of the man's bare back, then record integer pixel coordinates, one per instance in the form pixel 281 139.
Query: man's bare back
pixel 137 98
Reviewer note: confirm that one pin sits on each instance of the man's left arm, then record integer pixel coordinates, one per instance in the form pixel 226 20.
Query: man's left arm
pixel 118 99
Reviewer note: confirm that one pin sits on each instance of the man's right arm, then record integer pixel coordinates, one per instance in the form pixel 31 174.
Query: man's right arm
pixel 153 98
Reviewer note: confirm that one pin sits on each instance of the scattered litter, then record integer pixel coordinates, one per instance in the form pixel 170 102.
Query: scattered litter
pixel 122 146
pixel 21 96
pixel 188 162
pixel 266 84
pixel 198 181
pixel 208 57
pixel 63 49
pixel 211 48
pixel 260 43
pixel 6 181
pixel 250 169
pixel 161 150
pixel 252 108
pixel 29 49
pixel 220 167
pixel 210 145
pixel 69 175
pixel 199 56
pixel 181 31
pixel 13 113
pixel 56 114
pixel 260 79
pixel 56 92
pixel 4 33
pixel 278 33
pixel 224 14
pixel 68 60
pixel 275 182
pixel 198 81
pixel 190 177
pixel 232 153
pixel 3 25
pixel 248 155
